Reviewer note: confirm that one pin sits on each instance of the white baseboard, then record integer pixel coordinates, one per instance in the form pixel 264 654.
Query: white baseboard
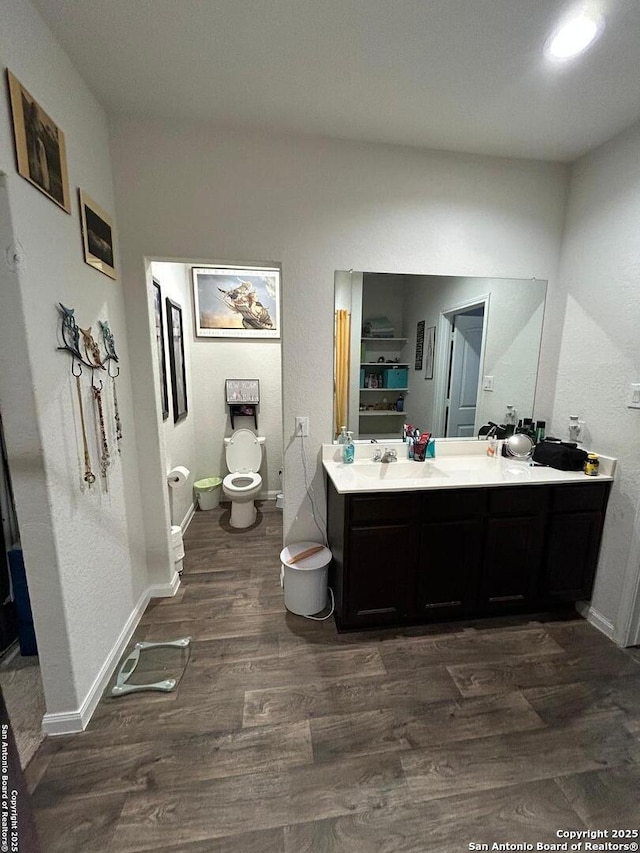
pixel 596 619
pixel 72 722
pixel 186 521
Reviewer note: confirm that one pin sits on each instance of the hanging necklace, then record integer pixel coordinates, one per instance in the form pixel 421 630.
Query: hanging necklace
pixel 104 449
pixel 89 476
pixel 110 347
pixel 116 415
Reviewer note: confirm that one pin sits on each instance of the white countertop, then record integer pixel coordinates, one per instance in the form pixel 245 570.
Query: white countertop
pixel 458 464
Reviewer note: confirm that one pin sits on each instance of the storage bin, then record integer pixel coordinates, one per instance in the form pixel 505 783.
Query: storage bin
pixel 208 492
pixel 305 583
pixel 396 377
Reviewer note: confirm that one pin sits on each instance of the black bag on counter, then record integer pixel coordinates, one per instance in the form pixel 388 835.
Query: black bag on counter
pixel 560 455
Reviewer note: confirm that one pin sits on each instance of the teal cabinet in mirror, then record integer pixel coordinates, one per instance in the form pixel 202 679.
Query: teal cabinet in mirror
pixel 444 353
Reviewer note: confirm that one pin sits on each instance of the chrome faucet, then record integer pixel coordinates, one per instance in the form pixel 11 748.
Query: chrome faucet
pixel 389 455
pixel 377 456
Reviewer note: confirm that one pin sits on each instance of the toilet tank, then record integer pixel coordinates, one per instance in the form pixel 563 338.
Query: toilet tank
pixel 243 451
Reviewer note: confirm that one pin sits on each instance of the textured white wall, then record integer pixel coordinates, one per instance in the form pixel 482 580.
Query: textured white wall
pixel 84 550
pixel 317 205
pixel 599 353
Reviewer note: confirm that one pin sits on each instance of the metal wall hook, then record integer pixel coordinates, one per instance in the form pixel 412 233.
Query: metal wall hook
pixel 74 362
pixel 112 375
pixel 96 390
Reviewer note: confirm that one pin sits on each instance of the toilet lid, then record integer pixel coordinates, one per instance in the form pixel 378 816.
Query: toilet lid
pixel 244 452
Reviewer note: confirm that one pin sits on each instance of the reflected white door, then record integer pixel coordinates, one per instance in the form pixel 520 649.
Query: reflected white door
pixel 465 370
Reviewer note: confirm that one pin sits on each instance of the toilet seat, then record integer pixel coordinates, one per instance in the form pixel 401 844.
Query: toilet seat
pixel 241 482
pixel 243 451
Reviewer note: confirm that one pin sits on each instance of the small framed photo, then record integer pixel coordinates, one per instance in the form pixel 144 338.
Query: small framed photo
pixel 40 148
pixel 97 236
pixel 176 360
pixel 234 302
pixel 162 360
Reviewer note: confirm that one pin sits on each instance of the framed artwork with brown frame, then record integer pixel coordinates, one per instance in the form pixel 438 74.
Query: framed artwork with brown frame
pixel 162 359
pixel 97 236
pixel 40 150
pixel 176 360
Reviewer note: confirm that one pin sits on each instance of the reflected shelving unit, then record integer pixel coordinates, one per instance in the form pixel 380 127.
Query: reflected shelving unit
pixel 382 381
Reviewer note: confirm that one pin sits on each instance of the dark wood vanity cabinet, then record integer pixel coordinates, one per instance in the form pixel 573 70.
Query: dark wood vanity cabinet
pixel 513 543
pixel 449 564
pixel 403 557
pixel 573 541
pixel 381 554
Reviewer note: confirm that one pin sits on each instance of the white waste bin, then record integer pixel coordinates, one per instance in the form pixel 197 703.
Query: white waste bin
pixel 208 492
pixel 305 582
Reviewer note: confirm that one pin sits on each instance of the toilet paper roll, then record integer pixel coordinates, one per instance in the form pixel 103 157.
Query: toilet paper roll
pixel 178 476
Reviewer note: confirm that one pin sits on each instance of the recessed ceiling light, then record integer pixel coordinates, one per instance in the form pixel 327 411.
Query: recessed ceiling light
pixel 573 37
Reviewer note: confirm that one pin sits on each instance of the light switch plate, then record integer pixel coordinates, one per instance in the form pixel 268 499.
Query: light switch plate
pixel 487 383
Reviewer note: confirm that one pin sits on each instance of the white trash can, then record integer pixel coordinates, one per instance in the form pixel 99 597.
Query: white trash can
pixel 305 582
pixel 178 547
pixel 208 492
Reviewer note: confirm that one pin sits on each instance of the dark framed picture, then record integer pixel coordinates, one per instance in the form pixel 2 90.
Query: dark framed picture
pixel 176 360
pixel 429 351
pixel 419 345
pixel 40 148
pixel 97 236
pixel 234 302
pixel 162 359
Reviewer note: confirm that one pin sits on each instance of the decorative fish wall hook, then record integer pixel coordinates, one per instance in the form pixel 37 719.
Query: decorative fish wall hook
pixel 110 347
pixel 91 348
pixel 70 332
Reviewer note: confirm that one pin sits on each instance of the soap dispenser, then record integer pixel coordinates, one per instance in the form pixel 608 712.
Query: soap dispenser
pixel 342 438
pixel 348 450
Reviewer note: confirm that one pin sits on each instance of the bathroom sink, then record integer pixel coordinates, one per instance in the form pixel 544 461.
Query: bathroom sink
pixel 401 470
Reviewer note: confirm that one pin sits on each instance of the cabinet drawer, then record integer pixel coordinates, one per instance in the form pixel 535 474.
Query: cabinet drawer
pixel 452 504
pixel 519 500
pixel 582 496
pixel 388 507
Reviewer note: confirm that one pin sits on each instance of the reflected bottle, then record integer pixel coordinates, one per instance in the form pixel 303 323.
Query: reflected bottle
pixel 575 428
pixel 510 420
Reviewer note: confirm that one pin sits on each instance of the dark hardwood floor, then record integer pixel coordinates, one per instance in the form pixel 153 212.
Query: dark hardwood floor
pixel 284 736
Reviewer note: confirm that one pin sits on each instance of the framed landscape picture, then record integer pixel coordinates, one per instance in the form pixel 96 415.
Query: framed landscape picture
pixel 236 302
pixel 97 236
pixel 40 148
pixel 176 360
pixel 162 361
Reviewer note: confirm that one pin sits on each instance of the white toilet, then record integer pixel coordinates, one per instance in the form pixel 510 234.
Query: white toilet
pixel 244 457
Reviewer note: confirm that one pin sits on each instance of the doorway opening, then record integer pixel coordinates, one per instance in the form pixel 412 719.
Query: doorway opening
pixel 193 435
pixel 466 338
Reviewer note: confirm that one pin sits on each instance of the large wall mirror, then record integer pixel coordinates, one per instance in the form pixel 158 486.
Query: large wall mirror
pixel 444 353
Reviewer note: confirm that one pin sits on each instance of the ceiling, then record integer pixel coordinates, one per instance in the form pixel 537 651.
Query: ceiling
pixel 459 75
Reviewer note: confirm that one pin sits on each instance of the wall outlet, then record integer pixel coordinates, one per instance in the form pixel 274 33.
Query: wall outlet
pixel 302 426
pixel 487 383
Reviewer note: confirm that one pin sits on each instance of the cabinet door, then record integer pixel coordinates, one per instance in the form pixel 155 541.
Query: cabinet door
pixel 512 561
pixel 381 561
pixel 449 566
pixel 572 554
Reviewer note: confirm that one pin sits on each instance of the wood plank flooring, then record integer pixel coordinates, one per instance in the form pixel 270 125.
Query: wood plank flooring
pixel 284 736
